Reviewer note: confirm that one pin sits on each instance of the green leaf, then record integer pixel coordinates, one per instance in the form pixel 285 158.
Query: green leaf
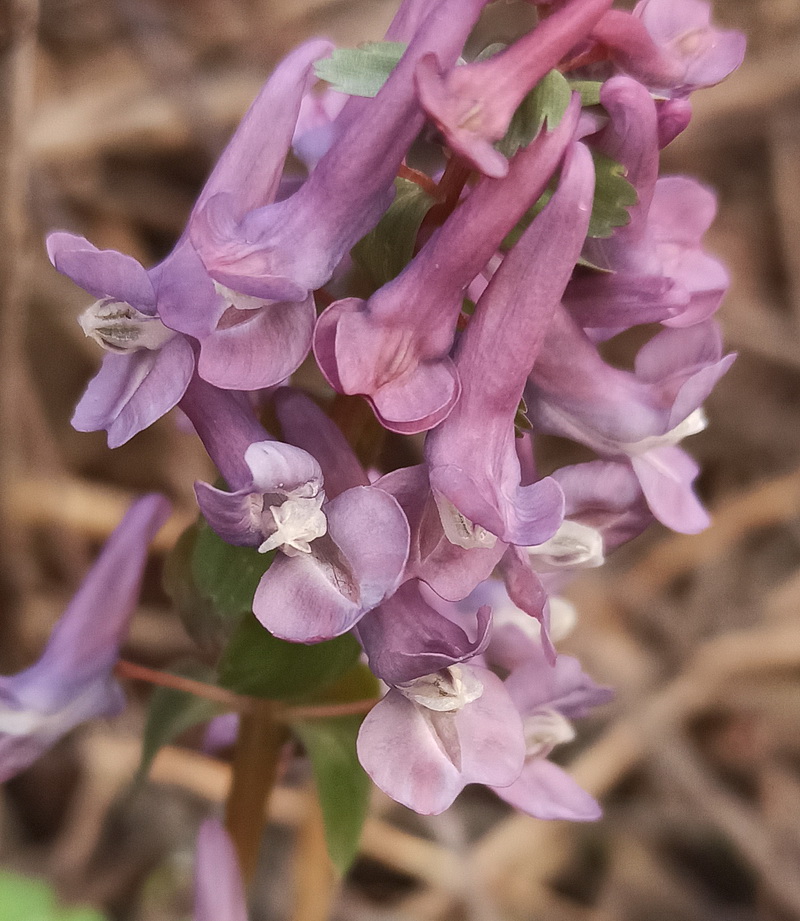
pixel 172 712
pixel 545 104
pixel 387 249
pixel 212 583
pixel 342 785
pixel 23 898
pixel 260 665
pixel 589 90
pixel 613 195
pixel 360 71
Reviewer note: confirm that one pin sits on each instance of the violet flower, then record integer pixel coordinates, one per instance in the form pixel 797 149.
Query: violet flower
pixel 330 570
pixel 671 45
pixel 140 314
pixel 394 347
pixel 73 679
pixel 474 468
pixel 431 736
pixel 641 416
pixel 473 105
pixel 295 245
pixel 549 697
pixel 218 886
pixel 452 571
pixel 148 366
pixel 658 270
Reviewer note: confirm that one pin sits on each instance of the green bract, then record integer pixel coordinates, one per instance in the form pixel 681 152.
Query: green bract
pixel 385 251
pixel 360 71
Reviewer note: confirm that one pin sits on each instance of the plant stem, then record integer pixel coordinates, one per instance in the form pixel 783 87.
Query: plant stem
pixel 255 769
pixel 238 702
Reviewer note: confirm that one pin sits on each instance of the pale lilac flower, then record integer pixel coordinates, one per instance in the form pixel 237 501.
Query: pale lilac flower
pixel 658 270
pixel 670 45
pixel 430 737
pixel 244 342
pixel 641 416
pixel 548 698
pixel 473 105
pixel 474 469
pixel 394 347
pixel 73 679
pixel 296 244
pixel 218 887
pixel 330 569
pixel 409 635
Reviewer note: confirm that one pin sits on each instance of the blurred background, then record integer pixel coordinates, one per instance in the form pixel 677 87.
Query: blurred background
pixel 113 112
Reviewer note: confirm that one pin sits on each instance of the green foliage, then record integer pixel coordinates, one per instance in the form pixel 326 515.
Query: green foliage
pixel 212 583
pixel 387 249
pixel 360 71
pixel 23 898
pixel 613 195
pixel 260 665
pixel 544 105
pixel 342 785
pixel 589 90
pixel 172 712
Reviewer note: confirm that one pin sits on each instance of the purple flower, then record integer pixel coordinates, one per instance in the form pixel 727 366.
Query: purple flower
pixel 451 570
pixel 141 315
pixel 670 45
pixel 430 737
pixel 473 105
pixel 410 635
pixel 330 569
pixel 474 468
pixel 658 269
pixel 295 245
pixel 641 416
pixel 394 347
pixel 549 697
pixel 148 366
pixel 218 887
pixel 73 679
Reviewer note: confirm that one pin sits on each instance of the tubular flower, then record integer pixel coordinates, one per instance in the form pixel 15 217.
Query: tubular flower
pixel 73 680
pixel 295 245
pixel 443 557
pixel 143 318
pixel 473 105
pixel 395 347
pixel 474 469
pixel 329 571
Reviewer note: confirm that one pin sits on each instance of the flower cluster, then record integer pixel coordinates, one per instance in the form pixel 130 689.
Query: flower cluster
pixel 470 303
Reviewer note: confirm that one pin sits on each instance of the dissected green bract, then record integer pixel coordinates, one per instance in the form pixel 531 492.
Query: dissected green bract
pixel 260 665
pixel 613 195
pixel 171 712
pixel 342 785
pixel 23 898
pixel 360 71
pixel 544 105
pixel 589 90
pixel 387 249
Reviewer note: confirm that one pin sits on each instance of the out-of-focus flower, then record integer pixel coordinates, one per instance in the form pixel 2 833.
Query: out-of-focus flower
pixel 218 887
pixel 73 680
